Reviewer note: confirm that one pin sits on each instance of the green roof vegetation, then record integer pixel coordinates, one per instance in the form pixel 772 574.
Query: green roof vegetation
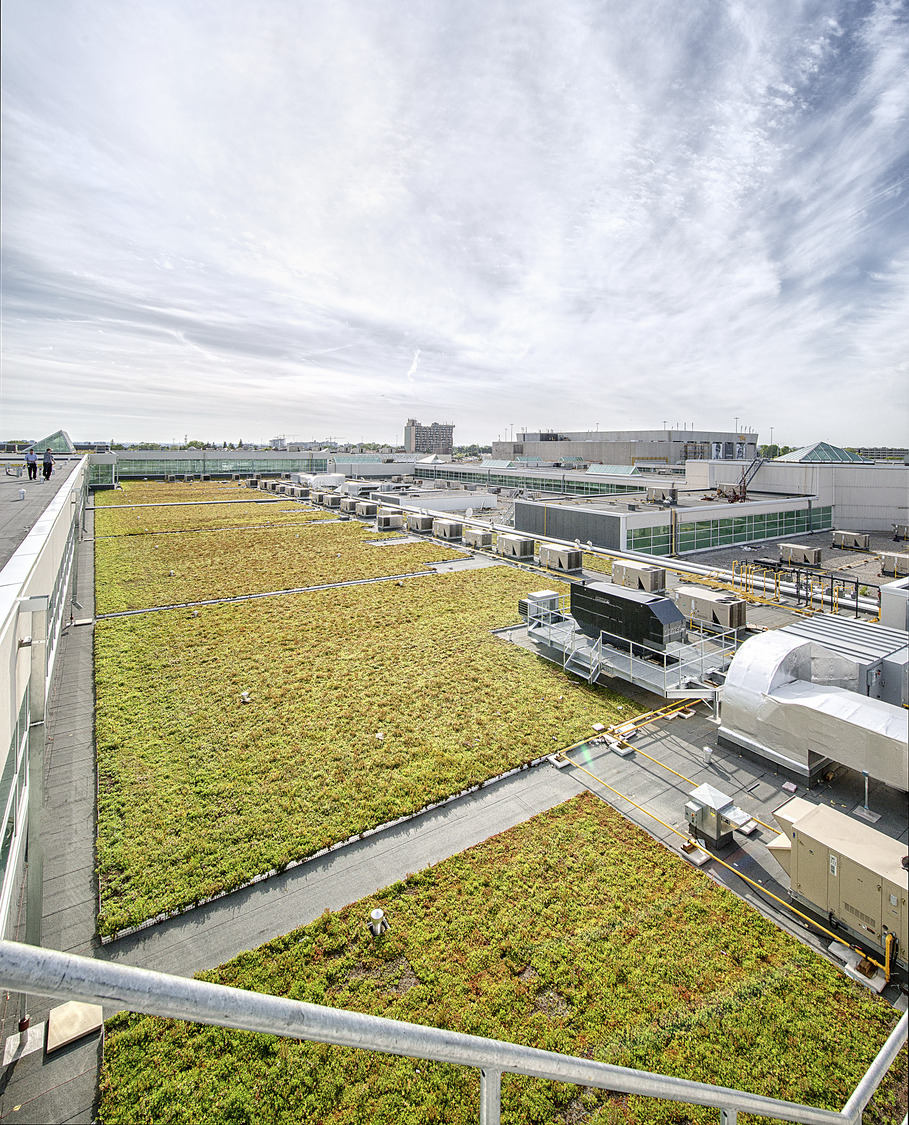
pixel 574 932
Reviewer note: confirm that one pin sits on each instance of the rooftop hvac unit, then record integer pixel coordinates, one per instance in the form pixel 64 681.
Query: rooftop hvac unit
pixel 901 531
pixel 316 496
pixel 712 816
pixel 206 476
pixel 282 489
pixel 715 606
pixel 602 607
pixel 332 500
pixel 417 522
pixel 560 558
pixel 366 509
pixel 477 537
pixel 638 576
pixel 541 605
pixel 171 479
pixel 390 521
pixel 515 547
pixel 799 554
pixel 895 563
pixel 851 540
pixel 251 482
pixel 845 870
pixel 349 504
pixel 188 477
pixel 663 495
pixel 447 529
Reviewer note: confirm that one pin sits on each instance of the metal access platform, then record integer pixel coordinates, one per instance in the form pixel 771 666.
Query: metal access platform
pixel 682 671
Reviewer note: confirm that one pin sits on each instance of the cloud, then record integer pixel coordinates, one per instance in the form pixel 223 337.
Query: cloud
pixel 238 215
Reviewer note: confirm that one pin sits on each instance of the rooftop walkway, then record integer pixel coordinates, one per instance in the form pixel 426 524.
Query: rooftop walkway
pixel 17 516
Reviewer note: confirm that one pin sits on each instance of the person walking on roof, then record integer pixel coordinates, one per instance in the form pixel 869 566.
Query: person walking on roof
pixel 31 463
pixel 48 464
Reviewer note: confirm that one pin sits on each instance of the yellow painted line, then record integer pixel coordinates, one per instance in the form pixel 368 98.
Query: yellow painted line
pixel 729 867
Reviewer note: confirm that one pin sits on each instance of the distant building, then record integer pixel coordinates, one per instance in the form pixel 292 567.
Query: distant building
pixel 437 438
pixel 630 447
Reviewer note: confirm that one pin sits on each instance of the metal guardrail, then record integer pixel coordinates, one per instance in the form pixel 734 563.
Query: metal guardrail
pixel 45 972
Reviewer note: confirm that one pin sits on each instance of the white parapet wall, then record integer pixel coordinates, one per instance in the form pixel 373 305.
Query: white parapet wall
pixel 42 566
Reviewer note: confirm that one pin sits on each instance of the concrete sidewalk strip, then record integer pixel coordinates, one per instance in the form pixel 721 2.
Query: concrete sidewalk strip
pixel 211 934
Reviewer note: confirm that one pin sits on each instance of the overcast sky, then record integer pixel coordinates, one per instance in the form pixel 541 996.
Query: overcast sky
pixel 236 220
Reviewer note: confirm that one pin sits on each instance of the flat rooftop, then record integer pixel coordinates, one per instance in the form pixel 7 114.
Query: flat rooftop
pixel 18 516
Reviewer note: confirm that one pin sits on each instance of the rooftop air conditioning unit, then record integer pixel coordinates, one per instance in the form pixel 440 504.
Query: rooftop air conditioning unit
pixel 389 521
pixel 715 606
pixel 560 558
pixel 447 529
pixel 418 522
pixel 638 576
pixel 799 554
pixel 851 540
pixel 515 547
pixel 895 563
pixel 477 537
pixel 366 509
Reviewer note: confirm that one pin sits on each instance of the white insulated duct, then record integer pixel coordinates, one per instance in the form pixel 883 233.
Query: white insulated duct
pixel 772 707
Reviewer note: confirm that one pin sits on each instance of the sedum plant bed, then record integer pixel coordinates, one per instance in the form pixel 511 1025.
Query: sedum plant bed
pixel 367 703
pixel 574 932
pixel 134 572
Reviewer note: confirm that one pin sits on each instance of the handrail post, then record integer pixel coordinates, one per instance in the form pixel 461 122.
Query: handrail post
pixel 490 1096
pixel 728 1116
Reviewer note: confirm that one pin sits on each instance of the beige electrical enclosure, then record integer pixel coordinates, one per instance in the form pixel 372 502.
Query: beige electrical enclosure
pixel 417 522
pixel 515 547
pixel 716 606
pixel 389 522
pixel 851 540
pixel 447 529
pixel 799 554
pixel 638 576
pixel 560 558
pixel 895 563
pixel 477 537
pixel 847 870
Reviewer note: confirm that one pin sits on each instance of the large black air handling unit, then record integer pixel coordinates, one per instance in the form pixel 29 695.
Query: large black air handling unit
pixel 634 615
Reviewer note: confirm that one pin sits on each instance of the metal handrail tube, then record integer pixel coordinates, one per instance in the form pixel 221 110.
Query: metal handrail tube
pixel 874 1075
pixel 47 972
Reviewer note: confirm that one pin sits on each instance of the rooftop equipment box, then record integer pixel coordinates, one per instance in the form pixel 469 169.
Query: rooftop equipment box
pixel 901 531
pixel 799 554
pixel 477 537
pixel 895 563
pixel 630 614
pixel 515 547
pixel 366 509
pixel 282 488
pixel 389 522
pixel 447 529
pixel 417 522
pixel 349 505
pixel 715 606
pixel 712 816
pixel 638 575
pixel 542 605
pixel 663 495
pixel 851 540
pixel 560 558
pixel 331 499
pixel 846 869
